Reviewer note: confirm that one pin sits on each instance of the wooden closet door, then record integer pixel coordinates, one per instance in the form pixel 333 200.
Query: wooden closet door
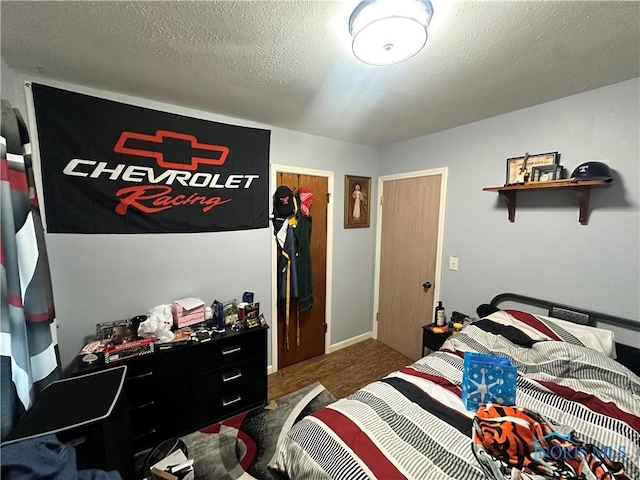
pixel 312 322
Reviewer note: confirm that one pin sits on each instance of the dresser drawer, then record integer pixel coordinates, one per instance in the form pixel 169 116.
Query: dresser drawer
pixel 139 388
pixel 226 351
pixel 151 388
pixel 144 425
pixel 222 392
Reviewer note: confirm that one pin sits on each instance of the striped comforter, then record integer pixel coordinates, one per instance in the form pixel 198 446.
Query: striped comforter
pixel 413 424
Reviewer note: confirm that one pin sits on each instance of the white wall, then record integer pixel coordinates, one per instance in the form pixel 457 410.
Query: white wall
pixel 546 253
pixel 8 84
pixel 98 278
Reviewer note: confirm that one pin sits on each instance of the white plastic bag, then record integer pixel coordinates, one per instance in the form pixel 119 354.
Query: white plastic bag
pixel 158 324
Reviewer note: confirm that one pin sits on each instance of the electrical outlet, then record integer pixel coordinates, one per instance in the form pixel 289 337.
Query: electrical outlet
pixel 453 263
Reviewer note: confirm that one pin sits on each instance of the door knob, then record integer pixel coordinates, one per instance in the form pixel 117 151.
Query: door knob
pixel 426 286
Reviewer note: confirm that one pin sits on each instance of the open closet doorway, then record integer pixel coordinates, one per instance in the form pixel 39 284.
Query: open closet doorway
pixel 306 333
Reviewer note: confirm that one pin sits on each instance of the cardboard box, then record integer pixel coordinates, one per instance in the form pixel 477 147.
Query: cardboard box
pixel 187 311
pixel 174 466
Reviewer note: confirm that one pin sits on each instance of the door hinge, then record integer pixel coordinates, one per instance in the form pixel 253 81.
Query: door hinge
pixel 328 197
pixel 325 327
pixel 377 316
pixel 381 198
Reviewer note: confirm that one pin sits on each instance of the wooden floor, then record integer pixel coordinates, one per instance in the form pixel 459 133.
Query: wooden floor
pixel 341 372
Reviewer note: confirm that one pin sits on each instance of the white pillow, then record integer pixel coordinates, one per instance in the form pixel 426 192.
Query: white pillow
pixel 593 337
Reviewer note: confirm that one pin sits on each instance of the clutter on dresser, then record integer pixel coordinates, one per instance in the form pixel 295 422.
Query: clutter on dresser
pixel 251 315
pixel 157 325
pixel 125 351
pixel 166 326
pixel 218 316
pixel 187 311
pixel 230 311
pixel 115 341
pixel 94 346
pixel 116 332
pixel 247 297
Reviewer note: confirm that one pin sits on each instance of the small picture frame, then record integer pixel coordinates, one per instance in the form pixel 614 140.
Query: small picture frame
pixel 544 173
pixel 357 191
pixel 515 164
pixel 230 312
pixel 116 332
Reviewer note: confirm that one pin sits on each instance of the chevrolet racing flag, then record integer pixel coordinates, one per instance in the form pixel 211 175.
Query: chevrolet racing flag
pixel 110 167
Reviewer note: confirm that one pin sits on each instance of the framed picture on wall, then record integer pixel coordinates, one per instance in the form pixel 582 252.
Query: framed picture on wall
pixel 545 173
pixel 527 162
pixel 357 191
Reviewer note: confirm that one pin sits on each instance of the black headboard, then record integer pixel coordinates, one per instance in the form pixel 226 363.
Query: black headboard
pixel 626 355
pixel 567 312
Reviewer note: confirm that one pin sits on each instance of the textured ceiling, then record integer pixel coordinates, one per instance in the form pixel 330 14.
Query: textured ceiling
pixel 289 63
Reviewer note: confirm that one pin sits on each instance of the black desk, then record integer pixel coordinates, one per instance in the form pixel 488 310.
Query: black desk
pixel 89 413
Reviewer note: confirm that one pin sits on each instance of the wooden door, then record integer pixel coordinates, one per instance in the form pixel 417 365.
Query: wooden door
pixel 408 253
pixel 310 324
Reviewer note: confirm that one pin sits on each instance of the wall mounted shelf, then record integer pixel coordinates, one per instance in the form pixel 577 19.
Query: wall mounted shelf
pixel 582 190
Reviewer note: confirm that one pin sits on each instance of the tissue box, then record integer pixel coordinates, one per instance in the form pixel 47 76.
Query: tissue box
pixel 187 311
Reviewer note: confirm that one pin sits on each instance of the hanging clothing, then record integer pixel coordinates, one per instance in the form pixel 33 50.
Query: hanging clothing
pixel 29 360
pixel 288 278
pixel 287 267
pixel 305 280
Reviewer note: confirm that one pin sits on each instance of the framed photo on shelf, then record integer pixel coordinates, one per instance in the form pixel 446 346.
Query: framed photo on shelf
pixel 544 173
pixel 528 162
pixel 357 191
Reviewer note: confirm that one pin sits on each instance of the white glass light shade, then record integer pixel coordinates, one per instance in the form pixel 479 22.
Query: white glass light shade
pixel 389 31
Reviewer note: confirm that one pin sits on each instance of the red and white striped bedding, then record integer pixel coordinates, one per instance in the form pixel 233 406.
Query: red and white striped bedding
pixel 412 424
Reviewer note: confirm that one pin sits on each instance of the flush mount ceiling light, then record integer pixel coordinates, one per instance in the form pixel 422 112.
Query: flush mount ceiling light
pixel 389 31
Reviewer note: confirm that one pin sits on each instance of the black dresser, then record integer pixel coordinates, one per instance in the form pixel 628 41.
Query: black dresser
pixel 179 390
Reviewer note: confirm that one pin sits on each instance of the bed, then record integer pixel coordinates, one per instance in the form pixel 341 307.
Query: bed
pixel 581 406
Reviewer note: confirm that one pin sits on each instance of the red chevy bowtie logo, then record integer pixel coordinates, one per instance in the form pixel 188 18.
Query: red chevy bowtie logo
pixel 199 153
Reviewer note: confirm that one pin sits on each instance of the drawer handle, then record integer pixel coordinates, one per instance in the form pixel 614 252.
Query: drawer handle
pixel 142 375
pixel 226 403
pixel 144 405
pixel 232 350
pixel 226 379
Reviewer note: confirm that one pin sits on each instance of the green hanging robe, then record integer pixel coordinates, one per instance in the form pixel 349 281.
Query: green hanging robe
pixel 305 283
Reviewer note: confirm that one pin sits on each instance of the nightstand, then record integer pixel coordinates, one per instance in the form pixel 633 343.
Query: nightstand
pixel 432 341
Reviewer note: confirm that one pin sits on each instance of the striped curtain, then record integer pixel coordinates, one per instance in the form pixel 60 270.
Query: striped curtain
pixel 29 358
